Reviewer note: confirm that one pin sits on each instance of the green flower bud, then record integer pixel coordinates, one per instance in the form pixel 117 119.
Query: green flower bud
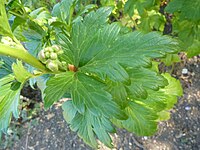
pixel 52 65
pixel 47 54
pixel 48 49
pixel 56 48
pixel 53 56
pixel 41 56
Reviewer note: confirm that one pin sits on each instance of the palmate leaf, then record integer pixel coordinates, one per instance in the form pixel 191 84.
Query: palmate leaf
pixel 112 79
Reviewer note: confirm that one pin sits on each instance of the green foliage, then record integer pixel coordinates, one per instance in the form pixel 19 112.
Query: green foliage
pixel 104 56
pixel 140 5
pixel 4 26
pixel 190 12
pixel 10 87
pixel 106 72
pixel 186 24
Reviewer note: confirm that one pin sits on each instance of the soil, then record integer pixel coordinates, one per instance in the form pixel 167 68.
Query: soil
pixel 48 130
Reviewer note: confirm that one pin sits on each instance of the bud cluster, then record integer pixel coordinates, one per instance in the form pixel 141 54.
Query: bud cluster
pixel 49 56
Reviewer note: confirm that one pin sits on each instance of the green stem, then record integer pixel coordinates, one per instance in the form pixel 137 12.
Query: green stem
pixel 22 55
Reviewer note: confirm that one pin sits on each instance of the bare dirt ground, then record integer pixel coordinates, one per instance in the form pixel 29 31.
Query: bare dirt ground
pixel 47 130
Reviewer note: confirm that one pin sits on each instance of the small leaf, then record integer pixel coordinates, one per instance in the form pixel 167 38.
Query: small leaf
pixel 21 74
pixel 62 10
pixel 164 115
pixel 170 59
pixel 194 49
pixel 173 90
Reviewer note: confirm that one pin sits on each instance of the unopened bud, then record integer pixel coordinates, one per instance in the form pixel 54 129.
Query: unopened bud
pixel 53 56
pixel 48 49
pixel 47 54
pixel 56 48
pixel 52 65
pixel 41 56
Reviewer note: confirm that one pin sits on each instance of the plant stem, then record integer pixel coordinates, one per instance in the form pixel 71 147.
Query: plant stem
pixel 22 55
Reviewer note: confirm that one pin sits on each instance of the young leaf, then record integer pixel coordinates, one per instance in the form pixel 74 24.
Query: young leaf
pixel 173 90
pixel 170 59
pixel 21 74
pixel 194 49
pixel 62 10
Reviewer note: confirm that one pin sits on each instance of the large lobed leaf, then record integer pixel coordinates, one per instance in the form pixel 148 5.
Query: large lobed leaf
pixel 113 78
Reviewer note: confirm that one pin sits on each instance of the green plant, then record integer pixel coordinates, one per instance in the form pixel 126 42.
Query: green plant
pixel 185 23
pixel 108 73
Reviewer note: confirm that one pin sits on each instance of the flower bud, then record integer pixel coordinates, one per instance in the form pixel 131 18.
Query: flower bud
pixel 53 56
pixel 56 48
pixel 52 65
pixel 41 56
pixel 47 54
pixel 48 49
